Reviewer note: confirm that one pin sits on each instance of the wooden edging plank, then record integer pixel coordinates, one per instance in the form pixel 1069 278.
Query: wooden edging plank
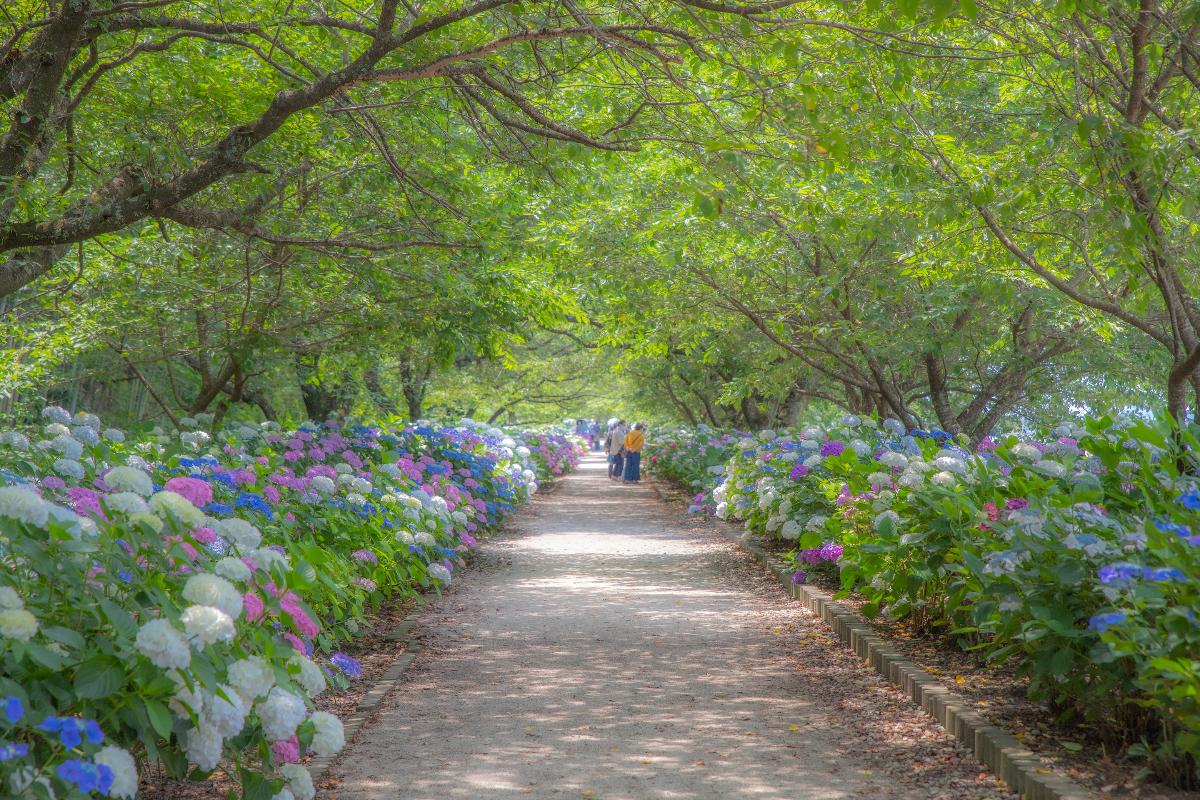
pixel 995 747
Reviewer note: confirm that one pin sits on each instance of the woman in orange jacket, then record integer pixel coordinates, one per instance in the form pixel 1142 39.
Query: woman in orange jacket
pixel 635 440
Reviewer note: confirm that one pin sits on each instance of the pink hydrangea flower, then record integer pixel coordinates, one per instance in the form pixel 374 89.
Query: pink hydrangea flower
pixel 286 751
pixel 194 490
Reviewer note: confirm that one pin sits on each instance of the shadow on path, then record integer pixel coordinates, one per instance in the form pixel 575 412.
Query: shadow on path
pixel 610 648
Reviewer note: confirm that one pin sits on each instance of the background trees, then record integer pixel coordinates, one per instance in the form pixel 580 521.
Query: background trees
pixel 963 216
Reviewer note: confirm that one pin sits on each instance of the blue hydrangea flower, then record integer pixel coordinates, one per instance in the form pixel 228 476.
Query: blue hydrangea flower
pixel 1190 499
pixel 72 730
pixel 14 712
pixel 346 664
pixel 1102 622
pixel 10 751
pixel 86 776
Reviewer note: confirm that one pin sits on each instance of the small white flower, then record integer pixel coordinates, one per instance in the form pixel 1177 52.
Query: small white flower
pixel 56 429
pixel 723 510
pixel 129 479
pixel 159 641
pixel 816 522
pixel 124 770
pixel 205 625
pixel 950 464
pixel 356 499
pixel 893 459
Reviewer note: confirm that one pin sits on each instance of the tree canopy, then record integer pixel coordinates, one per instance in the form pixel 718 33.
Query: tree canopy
pixel 964 215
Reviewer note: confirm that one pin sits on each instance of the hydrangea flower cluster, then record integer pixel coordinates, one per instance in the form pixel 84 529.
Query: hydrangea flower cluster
pixel 198 583
pixel 1069 551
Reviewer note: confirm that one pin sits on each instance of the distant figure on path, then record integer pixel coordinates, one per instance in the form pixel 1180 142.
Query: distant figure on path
pixel 594 434
pixel 635 440
pixel 615 447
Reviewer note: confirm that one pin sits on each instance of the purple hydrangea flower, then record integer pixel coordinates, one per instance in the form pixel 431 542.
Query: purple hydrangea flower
pixel 346 664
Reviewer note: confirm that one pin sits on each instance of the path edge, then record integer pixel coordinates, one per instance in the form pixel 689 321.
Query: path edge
pixel 995 747
pixel 382 686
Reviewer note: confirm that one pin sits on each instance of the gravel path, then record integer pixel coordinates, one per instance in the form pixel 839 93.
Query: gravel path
pixel 611 648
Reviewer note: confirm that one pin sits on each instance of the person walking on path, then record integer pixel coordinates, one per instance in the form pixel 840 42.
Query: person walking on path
pixel 635 440
pixel 616 450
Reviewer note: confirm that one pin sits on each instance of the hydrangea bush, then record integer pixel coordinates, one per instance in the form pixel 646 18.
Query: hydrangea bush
pixel 180 599
pixel 1077 553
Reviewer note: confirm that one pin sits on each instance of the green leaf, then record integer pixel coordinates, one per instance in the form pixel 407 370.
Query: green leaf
pixel 98 678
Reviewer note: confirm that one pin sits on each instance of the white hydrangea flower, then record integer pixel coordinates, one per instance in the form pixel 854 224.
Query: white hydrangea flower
pixel 816 522
pixel 280 713
pixel 425 539
pixel 887 515
pixel 129 479
pixel 950 464
pixel 267 559
pixel 299 780
pixel 405 538
pixel 879 479
pixel 329 737
pixel 24 505
pixel 284 794
pixel 893 459
pixel 205 625
pixel 18 624
pixel 813 460
pixel 251 677
pixel 85 435
pixel 919 465
pixel 86 420
pixel 440 573
pixel 723 510
pixel 774 523
pixel 356 499
pixel 225 712
pixel 308 674
pixel 56 429
pixel 114 435
pixel 179 507
pixel 17 441
pixel 1025 451
pixel 790 530
pixel 1049 468
pixel 206 589
pixel 145 516
pixel 57 414
pixel 159 641
pixel 343 468
pixel 124 770
pixel 125 503
pixel 69 468
pixel 203 747
pixel 9 598
pixel 232 568
pixel 944 479
pixel 322 485
pixel 242 534
pixel 767 435
pixel 187 700
pixel 863 449
pixel 195 439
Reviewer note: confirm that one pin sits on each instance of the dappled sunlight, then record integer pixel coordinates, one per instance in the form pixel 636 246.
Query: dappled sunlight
pixel 607 654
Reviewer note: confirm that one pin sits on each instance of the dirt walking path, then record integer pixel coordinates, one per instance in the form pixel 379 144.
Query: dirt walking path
pixel 611 648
